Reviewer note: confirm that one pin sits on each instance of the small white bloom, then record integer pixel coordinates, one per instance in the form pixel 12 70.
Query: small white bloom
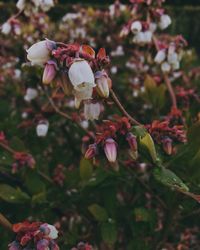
pixel 42 129
pixel 139 38
pixel 84 124
pixel 152 27
pixel 165 67
pixel 147 36
pixel 92 111
pixel 38 53
pixel 118 52
pixel 113 70
pixel 30 94
pixel 176 65
pixel 160 56
pixel 20 4
pixel 172 58
pixel 81 75
pixel 165 21
pixel 53 232
pixel 136 27
pixel 6 28
pixel 46 4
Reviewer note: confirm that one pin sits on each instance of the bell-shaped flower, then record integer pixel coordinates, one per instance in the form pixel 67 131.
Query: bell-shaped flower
pixel 81 75
pixel 20 4
pixel 46 4
pixel 91 151
pixel 39 53
pixel 82 93
pixel 160 56
pixel 49 72
pixel 42 128
pixel 110 149
pixel 132 141
pixel 164 22
pixel 165 67
pixel 6 28
pixel 136 27
pixel 92 110
pixel 49 230
pixel 103 83
pixel 30 94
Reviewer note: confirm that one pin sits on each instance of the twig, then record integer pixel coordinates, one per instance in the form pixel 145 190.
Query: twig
pixel 5 222
pixel 66 115
pixel 122 109
pixel 171 91
pixel 7 148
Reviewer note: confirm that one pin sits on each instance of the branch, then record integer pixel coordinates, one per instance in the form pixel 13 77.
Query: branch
pixel 122 109
pixel 171 91
pixel 5 222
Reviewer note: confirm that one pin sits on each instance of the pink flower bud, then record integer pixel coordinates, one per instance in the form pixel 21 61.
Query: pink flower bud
pixel 43 244
pixel 132 141
pixel 103 83
pixel 91 151
pixel 110 149
pixel 167 145
pixel 49 72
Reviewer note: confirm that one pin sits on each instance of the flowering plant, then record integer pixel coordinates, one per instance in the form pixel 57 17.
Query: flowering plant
pixel 99 129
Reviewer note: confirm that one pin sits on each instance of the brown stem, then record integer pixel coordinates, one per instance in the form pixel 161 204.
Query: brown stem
pixel 122 109
pixel 6 147
pixel 5 222
pixel 66 115
pixel 171 91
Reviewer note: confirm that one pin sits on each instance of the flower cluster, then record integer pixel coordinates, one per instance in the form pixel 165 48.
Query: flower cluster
pixel 107 135
pixel 75 70
pixel 22 159
pixel 34 6
pixel 35 235
pixel 166 135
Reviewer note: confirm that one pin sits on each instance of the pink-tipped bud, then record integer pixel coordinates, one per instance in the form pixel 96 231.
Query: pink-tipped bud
pixel 91 151
pixel 49 72
pixel 132 141
pixel 103 83
pixel 110 149
pixel 167 145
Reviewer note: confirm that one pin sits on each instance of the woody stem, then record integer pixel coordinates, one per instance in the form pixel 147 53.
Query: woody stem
pixel 5 222
pixel 171 91
pixel 122 109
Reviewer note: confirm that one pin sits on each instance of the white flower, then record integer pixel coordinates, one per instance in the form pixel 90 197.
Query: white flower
pixel 136 27
pixel 165 21
pixel 176 65
pixel 165 67
pixel 172 58
pixel 30 94
pixel 147 36
pixel 83 94
pixel 81 75
pixel 38 53
pixel 118 52
pixel 92 111
pixel 53 234
pixel 160 56
pixel 113 70
pixel 6 28
pixel 42 128
pixel 46 4
pixel 20 4
pixel 152 27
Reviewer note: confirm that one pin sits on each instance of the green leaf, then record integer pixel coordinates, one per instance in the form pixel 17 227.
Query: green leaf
pixel 139 131
pixel 169 178
pixel 98 212
pixel 109 232
pixel 12 195
pixel 39 198
pixel 33 182
pixel 17 144
pixel 148 142
pixel 85 169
